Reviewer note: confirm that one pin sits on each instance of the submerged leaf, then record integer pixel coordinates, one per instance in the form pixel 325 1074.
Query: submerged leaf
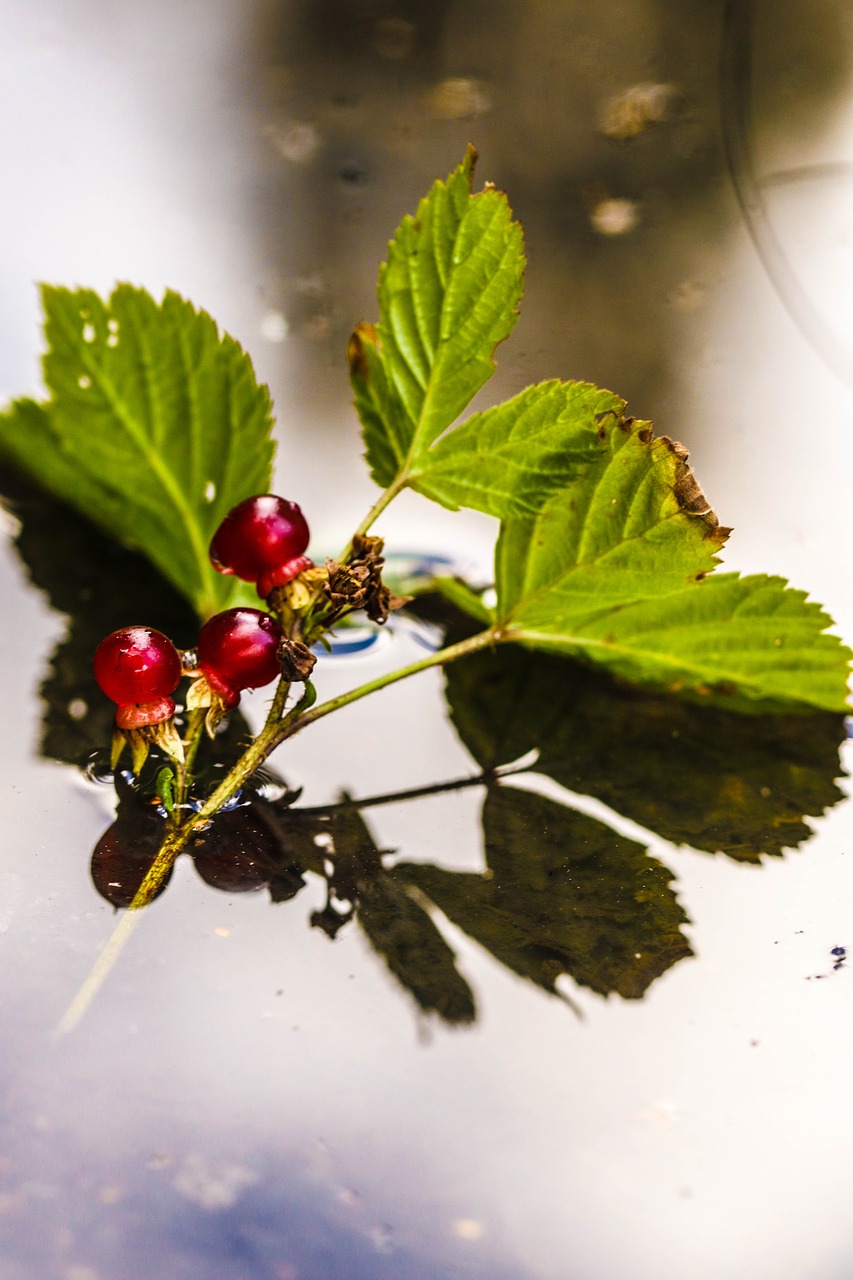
pixel 155 427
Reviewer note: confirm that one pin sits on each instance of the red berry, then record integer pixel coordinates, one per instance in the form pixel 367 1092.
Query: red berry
pixel 262 540
pixel 238 649
pixel 138 665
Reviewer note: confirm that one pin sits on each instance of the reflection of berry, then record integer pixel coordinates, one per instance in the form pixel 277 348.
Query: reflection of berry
pixel 125 852
pixel 138 668
pixel 237 853
pixel 238 650
pixel 262 540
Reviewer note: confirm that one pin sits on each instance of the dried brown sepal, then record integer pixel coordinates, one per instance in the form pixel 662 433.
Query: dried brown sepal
pixel 358 583
pixel 297 660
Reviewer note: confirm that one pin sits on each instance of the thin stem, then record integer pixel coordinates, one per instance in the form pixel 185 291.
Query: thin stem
pixel 413 793
pixel 384 500
pixel 472 644
pixel 195 729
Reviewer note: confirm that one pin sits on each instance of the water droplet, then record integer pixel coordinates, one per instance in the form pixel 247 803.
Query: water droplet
pixel 97 767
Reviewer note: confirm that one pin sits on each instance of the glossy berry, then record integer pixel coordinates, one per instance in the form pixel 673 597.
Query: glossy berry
pixel 238 649
pixel 262 540
pixel 138 668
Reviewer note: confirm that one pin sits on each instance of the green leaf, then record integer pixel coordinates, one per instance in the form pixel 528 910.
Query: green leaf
pixel 155 427
pixel 562 894
pixel 613 569
pixel 508 460
pixel 448 295
pixel 696 775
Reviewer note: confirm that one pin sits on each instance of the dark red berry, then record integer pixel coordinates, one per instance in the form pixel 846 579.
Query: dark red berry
pixel 238 649
pixel 139 667
pixel 262 540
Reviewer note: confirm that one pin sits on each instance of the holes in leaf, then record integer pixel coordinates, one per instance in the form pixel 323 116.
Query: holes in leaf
pixel 209 491
pixel 84 382
pixel 88 332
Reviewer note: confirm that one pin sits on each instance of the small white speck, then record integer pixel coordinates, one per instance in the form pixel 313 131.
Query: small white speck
pixel 112 339
pixel 89 332
pixel 84 381
pixel 78 709
pixel 209 491
pixel 274 327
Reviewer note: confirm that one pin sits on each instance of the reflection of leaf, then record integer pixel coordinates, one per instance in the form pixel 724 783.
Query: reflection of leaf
pixel 397 928
pixel 155 427
pixel 401 931
pixel 562 894
pixel 613 569
pixel 695 775
pixel 100 586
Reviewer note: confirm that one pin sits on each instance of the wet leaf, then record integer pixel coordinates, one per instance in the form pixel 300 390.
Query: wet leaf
pixel 702 776
pixel 100 586
pixel 155 427
pixel 561 894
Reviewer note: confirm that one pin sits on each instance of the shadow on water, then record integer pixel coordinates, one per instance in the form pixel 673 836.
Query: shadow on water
pixel 560 892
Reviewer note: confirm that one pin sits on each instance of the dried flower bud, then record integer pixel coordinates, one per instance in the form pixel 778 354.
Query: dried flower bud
pixel 297 660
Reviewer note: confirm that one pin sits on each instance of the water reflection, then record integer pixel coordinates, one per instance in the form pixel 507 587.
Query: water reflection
pixel 560 893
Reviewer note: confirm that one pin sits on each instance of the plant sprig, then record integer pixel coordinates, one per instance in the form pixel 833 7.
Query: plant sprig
pixel 607 550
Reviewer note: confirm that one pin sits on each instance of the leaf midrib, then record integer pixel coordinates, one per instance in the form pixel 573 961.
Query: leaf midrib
pixel 154 460
pixel 743 683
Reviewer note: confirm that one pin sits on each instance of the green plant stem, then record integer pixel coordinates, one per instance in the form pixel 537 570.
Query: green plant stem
pixel 195 730
pixel 384 500
pixel 483 640
pixel 277 728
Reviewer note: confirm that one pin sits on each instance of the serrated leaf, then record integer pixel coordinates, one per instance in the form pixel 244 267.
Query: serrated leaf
pixel 508 460
pixel 613 569
pixel 696 775
pixel 155 427
pixel 447 296
pixel 562 894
